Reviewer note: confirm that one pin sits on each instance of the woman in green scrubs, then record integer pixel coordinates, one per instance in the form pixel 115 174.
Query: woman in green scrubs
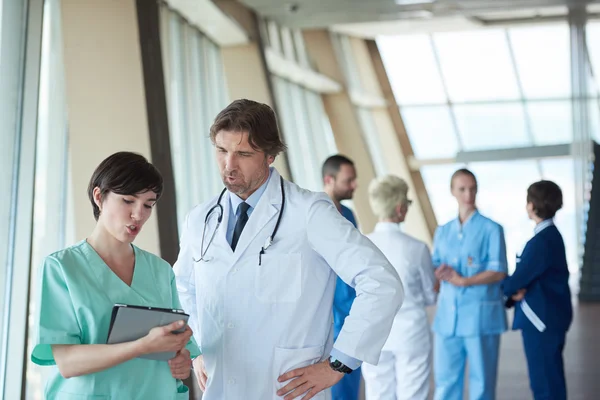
pixel 80 284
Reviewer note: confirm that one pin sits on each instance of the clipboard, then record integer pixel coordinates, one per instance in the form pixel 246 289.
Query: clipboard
pixel 129 323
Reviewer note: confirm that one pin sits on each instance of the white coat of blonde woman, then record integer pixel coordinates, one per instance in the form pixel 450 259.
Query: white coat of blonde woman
pixel 404 367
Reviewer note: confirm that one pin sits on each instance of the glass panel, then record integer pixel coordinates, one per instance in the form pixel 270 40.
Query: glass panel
pixel 291 133
pixel 561 171
pixel 411 68
pixel 310 176
pixel 551 122
pixel 300 47
pixel 320 127
pixel 1 6
pixel 288 44
pixel 542 55
pixel 502 196
pixel 50 229
pixel 369 131
pixel 196 92
pixel 476 65
pixel 593 46
pixel 431 131
pixel 274 36
pixel 347 62
pixel 437 183
pixel 485 126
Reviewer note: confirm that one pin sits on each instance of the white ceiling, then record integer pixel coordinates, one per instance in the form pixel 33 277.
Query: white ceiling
pixel 344 15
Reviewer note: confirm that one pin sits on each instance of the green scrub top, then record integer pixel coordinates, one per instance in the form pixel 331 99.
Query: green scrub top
pixel 77 294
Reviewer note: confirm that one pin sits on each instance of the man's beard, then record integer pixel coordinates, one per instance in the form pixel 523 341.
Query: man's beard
pixel 244 187
pixel 339 196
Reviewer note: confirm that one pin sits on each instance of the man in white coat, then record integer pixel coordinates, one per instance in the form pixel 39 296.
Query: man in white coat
pixel 257 270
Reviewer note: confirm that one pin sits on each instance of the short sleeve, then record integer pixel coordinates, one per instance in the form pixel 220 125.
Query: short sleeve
pixel 56 319
pixel 497 251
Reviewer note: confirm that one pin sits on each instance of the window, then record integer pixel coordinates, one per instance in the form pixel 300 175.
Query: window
pixel 412 69
pixel 306 131
pixel 52 229
pixel 476 65
pixel 196 92
pixel 491 89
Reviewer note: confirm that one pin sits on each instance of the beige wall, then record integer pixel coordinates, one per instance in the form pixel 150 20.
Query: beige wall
pixel 105 97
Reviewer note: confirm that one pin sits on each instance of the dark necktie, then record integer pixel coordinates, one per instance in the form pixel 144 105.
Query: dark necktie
pixel 240 224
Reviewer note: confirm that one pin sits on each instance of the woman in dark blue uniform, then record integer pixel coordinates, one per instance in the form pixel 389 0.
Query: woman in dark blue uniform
pixel 540 289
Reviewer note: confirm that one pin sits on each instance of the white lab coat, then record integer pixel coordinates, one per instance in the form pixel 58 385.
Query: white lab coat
pixel 405 364
pixel 254 323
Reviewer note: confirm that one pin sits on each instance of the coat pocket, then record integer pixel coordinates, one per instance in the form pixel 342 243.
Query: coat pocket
pixel 279 278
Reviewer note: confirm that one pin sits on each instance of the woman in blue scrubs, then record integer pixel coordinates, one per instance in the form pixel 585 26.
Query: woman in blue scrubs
pixel 470 260
pixel 80 284
pixel 540 287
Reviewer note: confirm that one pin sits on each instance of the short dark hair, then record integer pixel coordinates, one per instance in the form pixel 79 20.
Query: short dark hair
pixel 257 119
pixel 546 198
pixel 124 173
pixel 332 165
pixel 462 171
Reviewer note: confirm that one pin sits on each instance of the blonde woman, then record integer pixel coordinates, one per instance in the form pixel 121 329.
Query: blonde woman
pixel 405 364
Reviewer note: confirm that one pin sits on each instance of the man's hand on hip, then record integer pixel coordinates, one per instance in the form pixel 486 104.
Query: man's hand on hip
pixel 308 381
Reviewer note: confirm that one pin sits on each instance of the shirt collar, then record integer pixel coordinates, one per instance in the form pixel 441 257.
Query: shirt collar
pixel 473 215
pixel 387 227
pixel 543 225
pixel 252 201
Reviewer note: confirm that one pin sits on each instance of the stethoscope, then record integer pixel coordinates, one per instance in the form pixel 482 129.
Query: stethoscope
pixel 219 208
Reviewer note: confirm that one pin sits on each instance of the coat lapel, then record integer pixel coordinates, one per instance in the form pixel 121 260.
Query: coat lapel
pixel 266 209
pixel 227 213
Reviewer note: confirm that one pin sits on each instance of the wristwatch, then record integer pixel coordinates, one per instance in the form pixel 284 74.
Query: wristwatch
pixel 339 366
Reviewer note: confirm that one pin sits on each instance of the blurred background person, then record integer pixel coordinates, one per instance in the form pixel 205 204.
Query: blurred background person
pixel 540 286
pixel 470 259
pixel 404 367
pixel 339 182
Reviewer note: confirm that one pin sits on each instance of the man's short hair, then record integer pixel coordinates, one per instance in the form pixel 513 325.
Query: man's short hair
pixel 332 165
pixel 546 198
pixel 257 119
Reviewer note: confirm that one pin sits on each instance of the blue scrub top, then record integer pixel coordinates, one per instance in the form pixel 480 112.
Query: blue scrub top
pixel 344 294
pixel 471 248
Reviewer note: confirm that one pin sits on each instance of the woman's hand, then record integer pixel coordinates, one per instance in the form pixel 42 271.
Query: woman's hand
pixel 453 277
pixel 181 364
pixel 162 338
pixel 447 273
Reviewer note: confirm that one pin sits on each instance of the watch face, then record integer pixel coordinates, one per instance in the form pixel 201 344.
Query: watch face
pixel 336 364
